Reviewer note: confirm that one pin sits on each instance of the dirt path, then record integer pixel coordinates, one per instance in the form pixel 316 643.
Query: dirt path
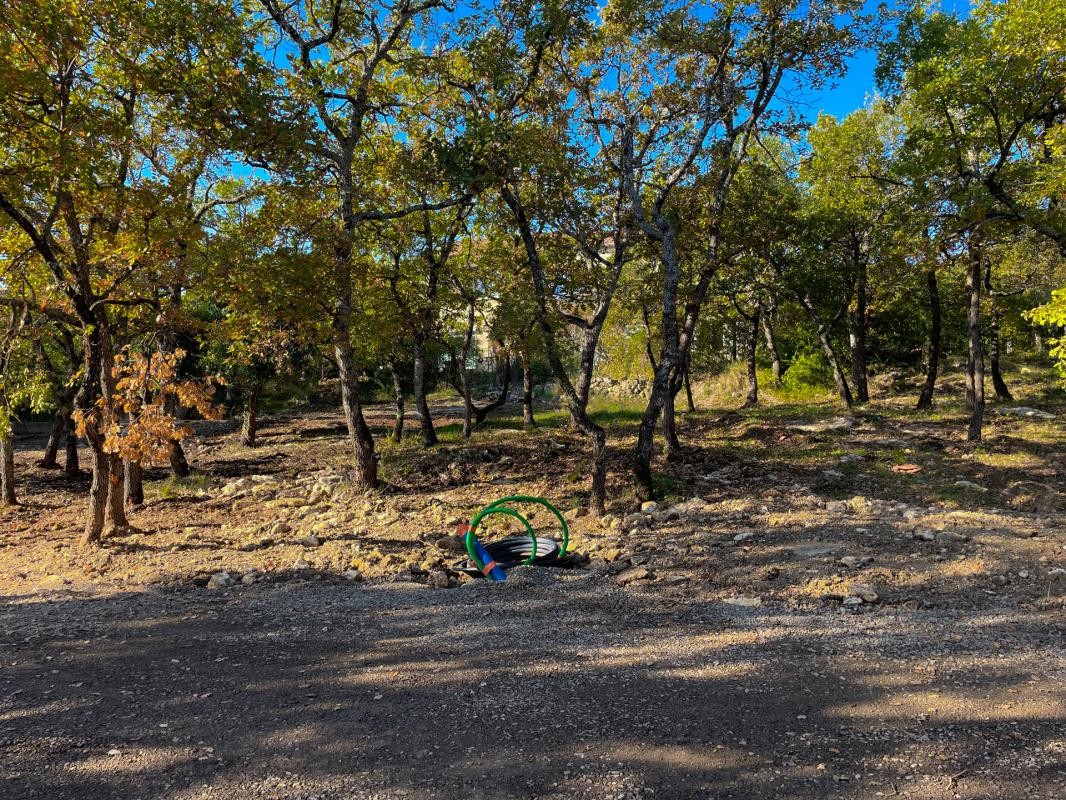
pixel 552 685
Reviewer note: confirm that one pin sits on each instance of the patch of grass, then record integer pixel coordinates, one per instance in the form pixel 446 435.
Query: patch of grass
pixel 173 487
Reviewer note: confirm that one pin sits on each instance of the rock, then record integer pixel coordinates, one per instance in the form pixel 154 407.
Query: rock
pixel 451 544
pixel 813 549
pixel 310 541
pixel 220 580
pixel 743 536
pixel 1034 497
pixel 852 601
pixel 439 579
pixel 280 529
pixel 1026 412
pixel 951 537
pixel 352 575
pixel 837 506
pixel 924 534
pixel 674 580
pixel 832 474
pixel 852 458
pixel 974 487
pixel 649 507
pixel 633 574
pixel 832 425
pixel 1057 581
pixel 851 562
pixel 864 592
pixel 745 602
pixel 250 577
pixel 300 564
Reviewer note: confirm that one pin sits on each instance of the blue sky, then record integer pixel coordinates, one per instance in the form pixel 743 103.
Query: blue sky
pixel 853 90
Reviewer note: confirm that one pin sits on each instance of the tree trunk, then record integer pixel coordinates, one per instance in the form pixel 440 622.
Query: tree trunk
pixel 857 338
pixel 418 378
pixel 975 373
pixel 578 411
pixel 71 467
pixel 250 421
pixel 116 493
pixel 134 483
pixel 94 525
pixel 672 448
pixel 771 345
pixel 752 398
pixel 397 392
pixel 925 399
pixel 8 496
pixel 734 351
pixel 464 374
pixel 1038 342
pixel 528 423
pixel 179 465
pixel 1002 391
pixel 688 385
pixel 840 381
pixel 50 459
pixel 665 373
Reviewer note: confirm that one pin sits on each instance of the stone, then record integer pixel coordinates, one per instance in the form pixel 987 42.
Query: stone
pixel 851 562
pixel 310 541
pixel 743 536
pixel 863 591
pixel 1057 581
pixel 924 534
pixel 852 601
pixel 220 580
pixel 813 549
pixel 745 602
pixel 280 529
pixel 649 507
pixel 300 564
pixel 970 485
pixel 951 537
pixel 837 506
pixel 439 579
pixel 451 544
pixel 674 580
pixel 352 575
pixel 250 577
pixel 1026 412
pixel 628 576
pixel 831 425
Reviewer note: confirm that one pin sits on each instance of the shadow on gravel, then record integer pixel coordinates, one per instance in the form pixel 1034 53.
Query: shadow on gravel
pixel 538 688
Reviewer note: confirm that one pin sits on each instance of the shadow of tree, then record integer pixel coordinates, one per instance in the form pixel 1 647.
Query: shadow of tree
pixel 542 687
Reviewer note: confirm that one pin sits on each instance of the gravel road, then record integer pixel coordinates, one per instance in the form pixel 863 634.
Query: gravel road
pixel 552 685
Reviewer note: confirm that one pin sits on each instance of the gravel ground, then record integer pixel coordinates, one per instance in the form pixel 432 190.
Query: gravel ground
pixel 552 685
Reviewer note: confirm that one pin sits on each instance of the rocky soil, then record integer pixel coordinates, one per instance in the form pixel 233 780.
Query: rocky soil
pixel 820 606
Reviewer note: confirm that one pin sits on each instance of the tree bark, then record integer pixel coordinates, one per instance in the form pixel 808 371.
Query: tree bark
pixel 250 420
pixel 134 483
pixel 839 379
pixel 578 410
pixel 397 392
pixel 179 465
pixel 688 383
pixel 1002 390
pixel 71 467
pixel 975 373
pixel 857 324
pixel 528 423
pixel 672 445
pixel 50 459
pixel 752 398
pixel 925 398
pixel 464 373
pixel 8 496
pixel 418 379
pixel 771 345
